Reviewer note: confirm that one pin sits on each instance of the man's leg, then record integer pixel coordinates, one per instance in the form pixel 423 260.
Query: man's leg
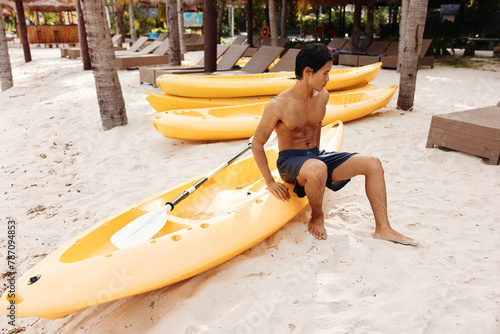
pixel 312 177
pixel 371 168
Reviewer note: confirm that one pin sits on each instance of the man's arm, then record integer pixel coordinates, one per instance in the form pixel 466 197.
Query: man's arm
pixel 325 96
pixel 266 126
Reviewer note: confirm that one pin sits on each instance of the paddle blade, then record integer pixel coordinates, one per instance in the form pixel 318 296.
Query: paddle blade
pixel 140 230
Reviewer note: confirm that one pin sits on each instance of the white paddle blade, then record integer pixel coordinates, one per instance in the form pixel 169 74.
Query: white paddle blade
pixel 140 229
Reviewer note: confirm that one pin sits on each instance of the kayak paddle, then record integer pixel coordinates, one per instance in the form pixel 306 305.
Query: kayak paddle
pixel 146 226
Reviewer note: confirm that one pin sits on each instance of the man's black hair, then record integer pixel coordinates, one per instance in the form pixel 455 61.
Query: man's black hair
pixel 314 55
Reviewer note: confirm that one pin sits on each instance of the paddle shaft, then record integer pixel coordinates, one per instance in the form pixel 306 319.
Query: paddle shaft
pixel 170 205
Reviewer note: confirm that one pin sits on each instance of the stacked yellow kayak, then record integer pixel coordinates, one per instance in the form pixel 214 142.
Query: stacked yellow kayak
pixel 234 122
pixel 221 86
pixel 227 215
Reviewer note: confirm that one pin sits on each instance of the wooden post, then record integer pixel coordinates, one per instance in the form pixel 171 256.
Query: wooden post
pixel 249 23
pixel 210 29
pixel 23 31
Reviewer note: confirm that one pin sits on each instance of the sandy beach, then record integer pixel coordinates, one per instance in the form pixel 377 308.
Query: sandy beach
pixel 61 174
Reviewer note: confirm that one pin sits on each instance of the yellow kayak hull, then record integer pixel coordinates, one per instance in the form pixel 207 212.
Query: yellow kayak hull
pixel 257 84
pixel 227 215
pixel 235 122
pixel 164 102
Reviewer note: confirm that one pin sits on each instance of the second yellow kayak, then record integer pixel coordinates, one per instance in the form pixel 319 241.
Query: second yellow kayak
pixel 234 122
pixel 164 102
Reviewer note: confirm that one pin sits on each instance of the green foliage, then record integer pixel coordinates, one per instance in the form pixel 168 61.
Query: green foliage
pixel 460 63
pixel 440 45
pixel 10 23
pixel 162 29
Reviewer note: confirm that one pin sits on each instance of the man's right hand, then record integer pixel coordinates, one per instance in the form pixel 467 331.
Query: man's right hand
pixel 279 190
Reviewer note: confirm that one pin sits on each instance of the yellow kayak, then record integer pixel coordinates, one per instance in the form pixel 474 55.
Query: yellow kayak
pixel 164 102
pixel 227 215
pixel 257 84
pixel 234 122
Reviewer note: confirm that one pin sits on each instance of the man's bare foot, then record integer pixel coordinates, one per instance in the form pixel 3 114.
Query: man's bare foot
pixel 394 236
pixel 317 227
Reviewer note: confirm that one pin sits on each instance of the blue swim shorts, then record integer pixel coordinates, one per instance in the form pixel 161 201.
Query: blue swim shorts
pixel 290 161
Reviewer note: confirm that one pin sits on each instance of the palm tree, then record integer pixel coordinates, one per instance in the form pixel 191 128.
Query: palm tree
pixel 6 81
pixel 274 22
pixel 283 19
pixel 414 31
pixel 174 49
pixel 131 10
pixel 405 6
pixel 118 10
pixel 109 91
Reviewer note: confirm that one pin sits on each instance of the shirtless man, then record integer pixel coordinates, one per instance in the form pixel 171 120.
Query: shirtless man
pixel 296 115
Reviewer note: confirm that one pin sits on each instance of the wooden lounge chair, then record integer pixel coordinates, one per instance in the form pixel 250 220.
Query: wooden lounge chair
pixel 239 39
pixel 287 62
pixel 378 48
pixel 252 49
pixel 262 59
pixel 391 58
pixel 339 44
pixel 148 74
pixel 134 49
pixel 259 62
pixel 424 60
pixel 475 131
pixel 195 44
pixel 74 52
pixel 267 41
pixel 157 57
pixel 353 59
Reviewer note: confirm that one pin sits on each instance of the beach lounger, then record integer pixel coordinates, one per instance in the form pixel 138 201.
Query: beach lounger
pixel 391 58
pixel 343 45
pixel 239 39
pixel 148 74
pixel 475 131
pixel 353 59
pixel 379 49
pixel 195 43
pixel 226 63
pixel 157 57
pixel 287 62
pixel 74 52
pixel 259 62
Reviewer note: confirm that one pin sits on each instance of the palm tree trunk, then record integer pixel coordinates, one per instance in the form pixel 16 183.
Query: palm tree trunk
pixel 284 32
pixel 220 17
pixel 6 81
pixel 274 23
pixel 174 47
pixel 131 14
pixel 109 91
pixel 119 28
pixel 180 17
pixel 369 30
pixel 356 29
pixel 415 24
pixel 405 6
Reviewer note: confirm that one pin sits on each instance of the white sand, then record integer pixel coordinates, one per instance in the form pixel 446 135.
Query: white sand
pixel 61 174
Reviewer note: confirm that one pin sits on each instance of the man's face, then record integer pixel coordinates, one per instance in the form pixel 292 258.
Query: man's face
pixel 321 78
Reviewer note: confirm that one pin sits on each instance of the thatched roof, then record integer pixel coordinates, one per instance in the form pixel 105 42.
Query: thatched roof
pixel 42 5
pixel 155 3
pixel 333 3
